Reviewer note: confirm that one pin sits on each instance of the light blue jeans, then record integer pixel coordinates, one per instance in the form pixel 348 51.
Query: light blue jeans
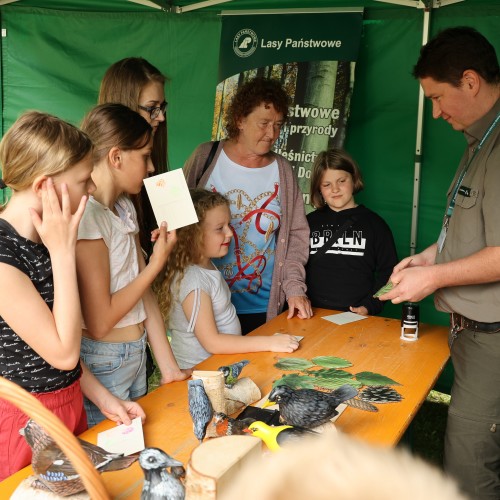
pixel 119 366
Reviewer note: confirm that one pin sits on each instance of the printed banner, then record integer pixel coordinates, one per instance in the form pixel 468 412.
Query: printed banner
pixel 314 56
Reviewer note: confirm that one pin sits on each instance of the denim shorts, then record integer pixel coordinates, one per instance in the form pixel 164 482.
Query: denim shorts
pixel 119 366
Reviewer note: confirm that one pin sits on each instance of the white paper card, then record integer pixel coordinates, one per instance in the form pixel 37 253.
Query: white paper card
pixel 298 337
pixel 126 439
pixel 170 199
pixel 344 318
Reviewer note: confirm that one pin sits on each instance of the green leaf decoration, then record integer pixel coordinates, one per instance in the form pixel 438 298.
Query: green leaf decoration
pixel 370 378
pixel 330 373
pixel 293 364
pixel 331 362
pixel 295 381
pixel 386 288
pixel 335 383
pixel 330 378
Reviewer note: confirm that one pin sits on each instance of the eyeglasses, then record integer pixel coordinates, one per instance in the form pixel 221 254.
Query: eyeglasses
pixel 154 111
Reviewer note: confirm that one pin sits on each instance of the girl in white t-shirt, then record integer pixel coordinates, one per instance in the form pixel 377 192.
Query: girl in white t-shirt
pixel 194 296
pixel 120 312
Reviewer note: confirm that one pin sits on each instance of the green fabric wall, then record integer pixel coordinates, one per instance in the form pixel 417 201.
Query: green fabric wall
pixel 382 128
pixel 54 60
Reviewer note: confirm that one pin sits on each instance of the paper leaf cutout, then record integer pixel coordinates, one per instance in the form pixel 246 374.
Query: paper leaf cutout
pixel 293 364
pixel 295 381
pixel 330 373
pixel 386 288
pixel 331 362
pixel 335 383
pixel 370 378
pixel 382 394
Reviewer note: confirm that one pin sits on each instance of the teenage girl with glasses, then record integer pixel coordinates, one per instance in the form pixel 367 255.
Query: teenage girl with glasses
pixel 138 84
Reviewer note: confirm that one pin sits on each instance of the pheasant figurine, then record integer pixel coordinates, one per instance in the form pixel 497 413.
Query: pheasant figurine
pixel 53 470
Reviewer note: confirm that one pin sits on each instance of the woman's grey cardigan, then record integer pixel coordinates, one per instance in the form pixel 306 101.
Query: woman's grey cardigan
pixel 292 240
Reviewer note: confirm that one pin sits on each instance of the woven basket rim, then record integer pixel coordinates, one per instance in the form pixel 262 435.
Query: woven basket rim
pixel 56 429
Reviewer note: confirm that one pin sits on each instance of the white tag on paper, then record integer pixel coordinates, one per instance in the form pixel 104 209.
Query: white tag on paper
pixel 170 199
pixel 126 439
pixel 344 318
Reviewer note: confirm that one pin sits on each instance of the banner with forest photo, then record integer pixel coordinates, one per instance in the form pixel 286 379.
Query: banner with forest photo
pixel 313 55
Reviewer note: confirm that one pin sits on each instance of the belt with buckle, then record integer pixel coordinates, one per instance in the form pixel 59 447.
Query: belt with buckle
pixel 457 320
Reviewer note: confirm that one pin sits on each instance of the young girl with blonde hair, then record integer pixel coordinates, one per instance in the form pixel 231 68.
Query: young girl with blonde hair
pixel 47 165
pixel 119 310
pixel 194 296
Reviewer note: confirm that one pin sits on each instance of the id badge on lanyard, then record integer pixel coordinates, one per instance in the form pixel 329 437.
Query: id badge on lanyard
pixel 451 206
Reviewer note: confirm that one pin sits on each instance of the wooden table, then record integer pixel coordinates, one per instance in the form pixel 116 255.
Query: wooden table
pixel 372 345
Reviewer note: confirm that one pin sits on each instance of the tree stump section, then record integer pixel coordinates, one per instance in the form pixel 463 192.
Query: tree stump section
pixel 215 463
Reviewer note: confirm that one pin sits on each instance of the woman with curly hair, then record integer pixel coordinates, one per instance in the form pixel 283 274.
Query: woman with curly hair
pixel 195 297
pixel 264 266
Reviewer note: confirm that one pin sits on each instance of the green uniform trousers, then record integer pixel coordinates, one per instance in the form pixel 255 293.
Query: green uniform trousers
pixel 472 440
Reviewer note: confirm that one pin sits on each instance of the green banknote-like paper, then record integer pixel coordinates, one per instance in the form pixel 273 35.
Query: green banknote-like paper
pixel 386 288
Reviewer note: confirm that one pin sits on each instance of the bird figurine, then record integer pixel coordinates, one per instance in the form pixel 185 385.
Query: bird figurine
pixel 232 372
pixel 200 408
pixel 276 436
pixel 178 471
pixel 53 470
pixel 159 483
pixel 228 426
pixel 307 407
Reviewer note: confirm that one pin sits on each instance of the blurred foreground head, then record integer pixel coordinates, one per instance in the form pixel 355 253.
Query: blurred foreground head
pixel 342 468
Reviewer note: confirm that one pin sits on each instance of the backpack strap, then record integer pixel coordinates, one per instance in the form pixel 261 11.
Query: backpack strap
pixel 209 159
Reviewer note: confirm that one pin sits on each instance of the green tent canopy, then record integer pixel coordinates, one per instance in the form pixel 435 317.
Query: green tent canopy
pixel 55 52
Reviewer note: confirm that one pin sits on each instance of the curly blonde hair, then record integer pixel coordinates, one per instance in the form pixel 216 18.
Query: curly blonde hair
pixel 188 250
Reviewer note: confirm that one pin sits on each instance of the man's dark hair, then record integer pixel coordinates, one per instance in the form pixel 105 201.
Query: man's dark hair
pixel 454 50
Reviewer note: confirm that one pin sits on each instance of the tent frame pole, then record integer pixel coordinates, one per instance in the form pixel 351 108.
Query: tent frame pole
pixel 427 6
pixel 198 5
pixel 418 146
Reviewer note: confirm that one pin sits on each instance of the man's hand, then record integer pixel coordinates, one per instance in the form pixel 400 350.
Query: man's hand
pixel 411 284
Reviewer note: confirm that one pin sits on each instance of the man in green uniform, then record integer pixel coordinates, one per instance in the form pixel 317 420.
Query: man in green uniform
pixel 458 70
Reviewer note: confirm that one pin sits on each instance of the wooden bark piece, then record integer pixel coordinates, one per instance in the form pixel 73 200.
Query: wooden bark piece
pixel 243 393
pixel 224 400
pixel 213 382
pixel 216 462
